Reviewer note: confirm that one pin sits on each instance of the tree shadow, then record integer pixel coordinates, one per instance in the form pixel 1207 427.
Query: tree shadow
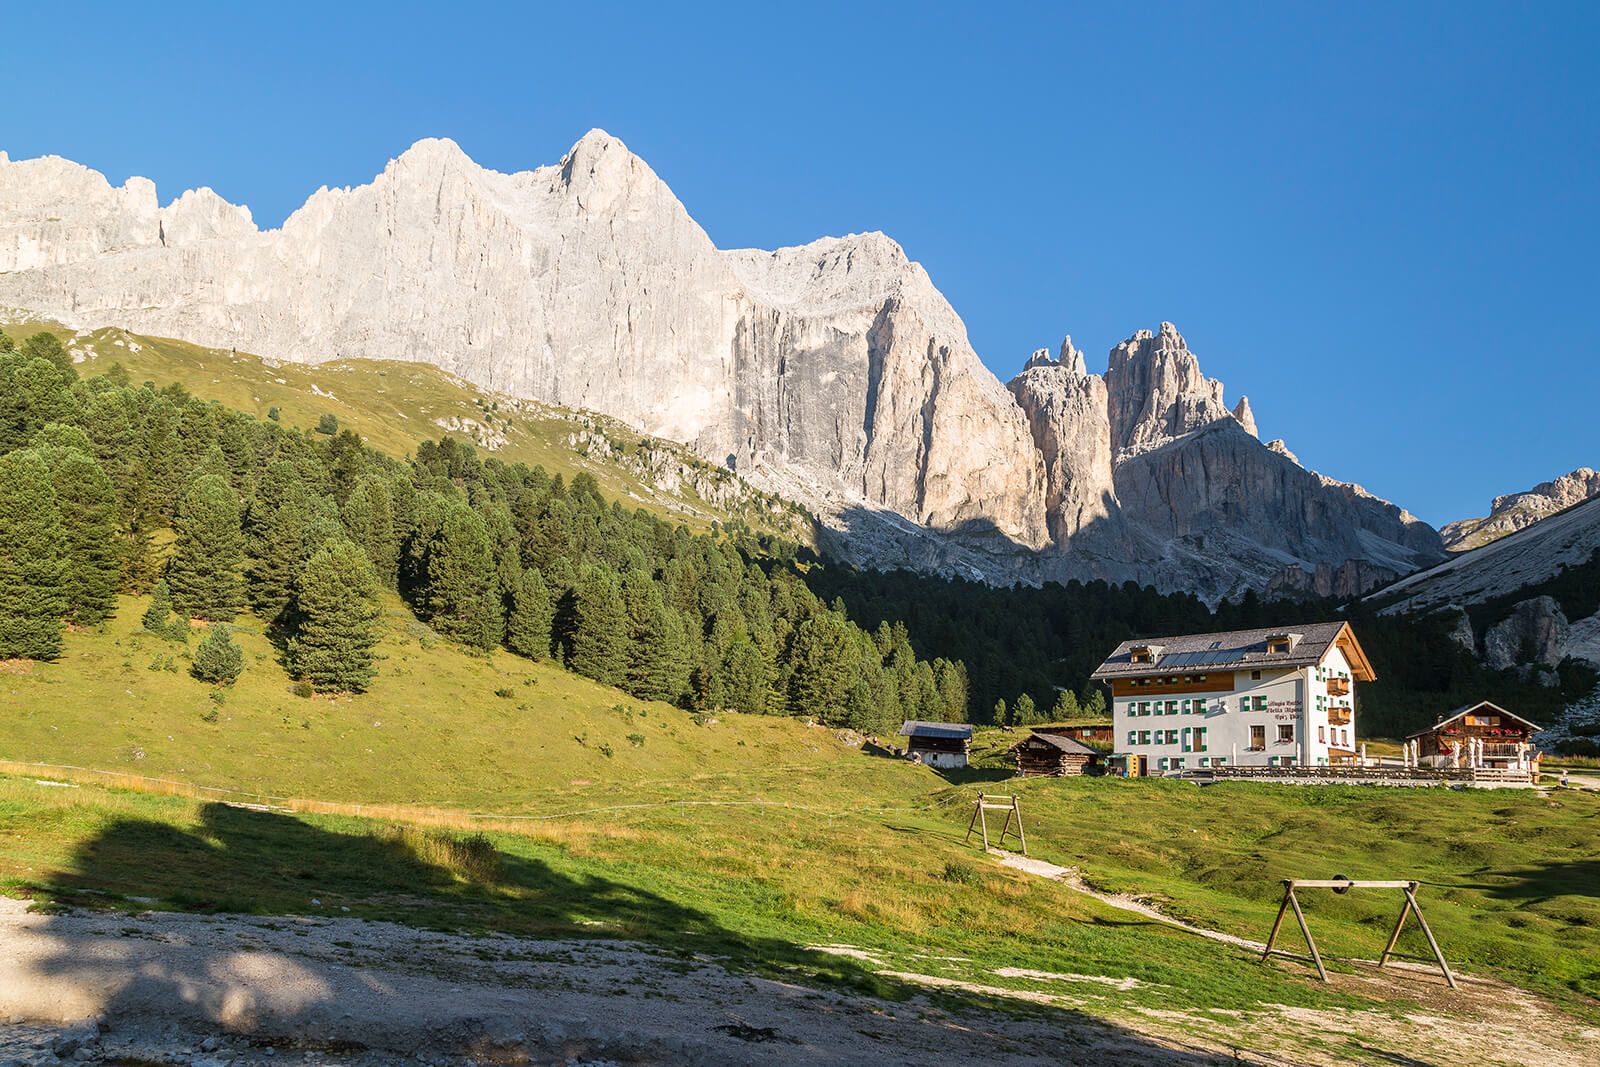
pixel 241 860
pixel 1540 882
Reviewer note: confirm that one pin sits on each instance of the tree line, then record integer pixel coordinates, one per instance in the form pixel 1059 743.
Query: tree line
pixel 108 487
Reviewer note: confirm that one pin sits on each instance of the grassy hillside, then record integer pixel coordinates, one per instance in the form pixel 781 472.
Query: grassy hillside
pixel 769 833
pixel 395 406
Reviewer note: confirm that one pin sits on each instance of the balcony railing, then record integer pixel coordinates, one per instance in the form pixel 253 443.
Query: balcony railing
pixel 1339 716
pixel 1338 687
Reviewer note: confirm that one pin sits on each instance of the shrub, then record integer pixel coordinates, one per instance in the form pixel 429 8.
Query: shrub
pixel 328 424
pixel 962 873
pixel 636 740
pixel 302 689
pixel 218 660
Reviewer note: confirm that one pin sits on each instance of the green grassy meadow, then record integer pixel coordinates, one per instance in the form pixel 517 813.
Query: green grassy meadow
pixel 749 837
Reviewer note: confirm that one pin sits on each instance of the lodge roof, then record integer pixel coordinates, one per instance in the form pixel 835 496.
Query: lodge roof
pixel 1235 649
pixel 918 728
pixel 1463 710
pixel 1065 744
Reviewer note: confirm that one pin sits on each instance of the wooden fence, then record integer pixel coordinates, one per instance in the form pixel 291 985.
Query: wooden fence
pixel 1346 773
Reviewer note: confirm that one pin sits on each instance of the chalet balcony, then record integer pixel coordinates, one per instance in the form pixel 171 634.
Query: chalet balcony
pixel 1339 687
pixel 1340 716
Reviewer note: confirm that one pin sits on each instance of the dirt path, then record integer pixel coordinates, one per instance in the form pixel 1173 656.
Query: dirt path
pixel 212 990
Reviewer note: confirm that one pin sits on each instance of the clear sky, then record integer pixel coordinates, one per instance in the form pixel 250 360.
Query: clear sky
pixel 1379 221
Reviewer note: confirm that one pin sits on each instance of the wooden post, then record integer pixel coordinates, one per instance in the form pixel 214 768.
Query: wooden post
pixel 980 821
pixel 1343 885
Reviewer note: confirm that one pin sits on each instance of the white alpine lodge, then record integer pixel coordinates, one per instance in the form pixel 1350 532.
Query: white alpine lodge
pixel 1247 698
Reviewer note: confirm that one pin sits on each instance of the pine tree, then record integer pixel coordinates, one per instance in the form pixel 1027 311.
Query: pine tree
pixel 1094 705
pixel 204 570
pixel 658 661
pixel 48 347
pixel 1066 708
pixel 1024 713
pixel 823 662
pixel 745 676
pixel 218 660
pixel 1001 715
pixel 88 508
pixel 463 594
pixel 286 523
pixel 598 642
pixel 528 625
pixel 33 392
pixel 32 563
pixel 336 614
pixel 158 616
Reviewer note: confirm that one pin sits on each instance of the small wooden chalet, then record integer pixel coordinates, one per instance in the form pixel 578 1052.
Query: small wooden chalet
pixel 1051 755
pixel 1478 735
pixel 937 744
pixel 1087 732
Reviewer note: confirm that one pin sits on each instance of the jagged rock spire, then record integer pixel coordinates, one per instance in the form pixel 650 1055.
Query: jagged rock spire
pixel 1246 417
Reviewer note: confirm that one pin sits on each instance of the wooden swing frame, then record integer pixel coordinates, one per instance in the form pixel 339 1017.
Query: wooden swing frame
pixel 1344 885
pixel 995 802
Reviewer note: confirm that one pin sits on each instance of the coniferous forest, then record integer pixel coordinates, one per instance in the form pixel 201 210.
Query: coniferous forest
pixel 108 487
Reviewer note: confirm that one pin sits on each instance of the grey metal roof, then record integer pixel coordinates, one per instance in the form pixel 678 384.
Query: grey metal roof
pixel 1235 648
pixel 918 728
pixel 1065 744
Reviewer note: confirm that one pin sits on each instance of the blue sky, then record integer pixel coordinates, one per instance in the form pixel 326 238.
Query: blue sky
pixel 1379 221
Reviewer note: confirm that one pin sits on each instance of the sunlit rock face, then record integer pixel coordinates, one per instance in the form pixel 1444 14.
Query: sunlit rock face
pixel 834 372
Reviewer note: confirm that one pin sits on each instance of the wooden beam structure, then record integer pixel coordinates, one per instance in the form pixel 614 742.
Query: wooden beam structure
pixel 1344 885
pixel 980 822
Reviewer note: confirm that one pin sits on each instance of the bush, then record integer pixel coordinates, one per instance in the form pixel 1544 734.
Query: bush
pixel 302 689
pixel 328 424
pixel 218 660
pixel 636 740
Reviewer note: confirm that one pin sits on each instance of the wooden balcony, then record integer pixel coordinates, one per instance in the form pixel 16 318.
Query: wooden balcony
pixel 1340 716
pixel 1338 687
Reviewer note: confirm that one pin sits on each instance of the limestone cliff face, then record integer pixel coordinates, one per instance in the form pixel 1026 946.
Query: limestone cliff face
pixel 836 367
pixel 1157 392
pixel 1069 419
pixel 1515 511
pixel 834 372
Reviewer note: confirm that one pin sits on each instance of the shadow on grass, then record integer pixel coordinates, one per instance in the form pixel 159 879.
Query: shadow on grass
pixel 266 863
pixel 1544 881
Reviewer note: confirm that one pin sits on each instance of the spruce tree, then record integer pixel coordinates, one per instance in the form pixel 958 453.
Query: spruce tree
pixel 658 661
pixel 203 573
pixel 218 660
pixel 528 624
pixel 32 563
pixel 744 675
pixel 463 591
pixel 336 614
pixel 48 347
pixel 158 616
pixel 1066 708
pixel 88 508
pixel 824 669
pixel 1024 713
pixel 598 641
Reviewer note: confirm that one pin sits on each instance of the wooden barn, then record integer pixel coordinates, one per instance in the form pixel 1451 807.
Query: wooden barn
pixel 1087 732
pixel 1478 735
pixel 1050 755
pixel 937 744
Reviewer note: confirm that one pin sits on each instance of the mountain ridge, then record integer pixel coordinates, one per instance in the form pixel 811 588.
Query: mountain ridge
pixel 834 372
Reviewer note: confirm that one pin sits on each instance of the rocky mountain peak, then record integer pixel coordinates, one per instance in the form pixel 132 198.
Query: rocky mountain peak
pixel 1246 417
pixel 1157 391
pixel 1515 511
pixel 834 372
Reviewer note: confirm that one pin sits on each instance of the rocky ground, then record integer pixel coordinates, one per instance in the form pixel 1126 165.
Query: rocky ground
pixel 96 987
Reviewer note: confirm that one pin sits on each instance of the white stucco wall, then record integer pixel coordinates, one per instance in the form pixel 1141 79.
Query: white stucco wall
pixel 1295 698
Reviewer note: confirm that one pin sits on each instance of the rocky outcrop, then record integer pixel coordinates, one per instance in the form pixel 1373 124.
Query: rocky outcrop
pixel 1157 393
pixel 1068 416
pixel 1536 631
pixel 834 372
pixel 1516 511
